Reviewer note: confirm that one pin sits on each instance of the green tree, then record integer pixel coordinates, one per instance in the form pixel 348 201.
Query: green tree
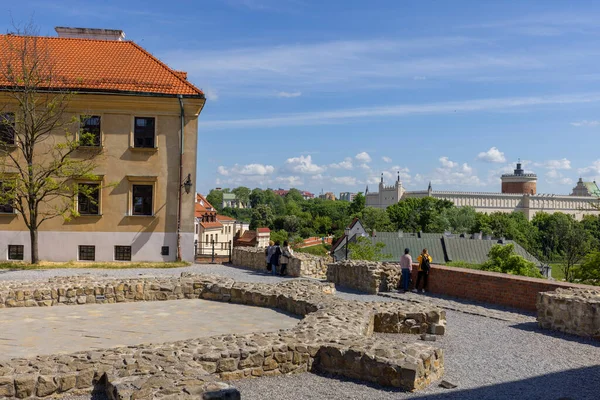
pixel 43 163
pixel 589 271
pixel 242 194
pixel 322 225
pixel 502 258
pixel 375 219
pixel 294 195
pixel 291 223
pixel 358 204
pixel 417 214
pixel 257 196
pixel 364 249
pixel 215 197
pixel 280 235
pixel 262 216
pixel 460 219
pixel 576 244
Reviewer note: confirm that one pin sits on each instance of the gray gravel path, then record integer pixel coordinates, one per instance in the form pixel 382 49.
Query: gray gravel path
pixel 487 358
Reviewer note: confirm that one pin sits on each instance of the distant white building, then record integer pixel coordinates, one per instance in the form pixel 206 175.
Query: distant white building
pixel 518 194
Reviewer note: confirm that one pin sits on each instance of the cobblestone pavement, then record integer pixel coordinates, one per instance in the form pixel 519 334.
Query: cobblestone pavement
pixel 31 331
pixel 464 306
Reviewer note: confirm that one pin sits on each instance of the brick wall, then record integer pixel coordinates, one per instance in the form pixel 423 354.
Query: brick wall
pixel 519 187
pixel 491 287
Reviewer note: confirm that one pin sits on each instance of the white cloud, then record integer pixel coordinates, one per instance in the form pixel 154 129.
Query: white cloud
pixel 386 159
pixel 352 114
pixel 289 94
pixel 591 172
pixel 363 157
pixel 290 180
pixel 585 123
pixel 303 165
pixel 451 173
pixel 555 164
pixel 211 94
pixel 345 180
pixel 346 164
pixel 493 155
pixel 366 167
pixel 446 163
pixel 249 169
pixel 555 177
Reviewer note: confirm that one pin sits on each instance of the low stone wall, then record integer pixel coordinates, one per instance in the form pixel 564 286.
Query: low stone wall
pixel 300 265
pixel 574 311
pixel 365 276
pixel 334 336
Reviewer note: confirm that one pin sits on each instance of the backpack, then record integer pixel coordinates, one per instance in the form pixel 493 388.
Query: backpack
pixel 425 266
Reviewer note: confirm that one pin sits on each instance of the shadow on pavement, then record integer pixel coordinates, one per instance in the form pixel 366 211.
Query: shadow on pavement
pixel 534 327
pixel 573 384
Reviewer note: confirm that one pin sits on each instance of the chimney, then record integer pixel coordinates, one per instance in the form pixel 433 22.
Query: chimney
pixel 90 33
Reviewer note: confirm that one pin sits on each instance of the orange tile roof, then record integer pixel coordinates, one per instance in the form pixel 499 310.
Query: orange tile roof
pixel 263 230
pixel 201 209
pixel 99 65
pixel 224 218
pixel 211 225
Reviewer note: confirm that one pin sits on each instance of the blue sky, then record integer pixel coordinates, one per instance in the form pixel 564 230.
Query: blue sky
pixel 330 94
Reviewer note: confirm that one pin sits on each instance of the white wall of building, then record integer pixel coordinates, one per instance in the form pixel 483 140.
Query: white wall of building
pixel 64 246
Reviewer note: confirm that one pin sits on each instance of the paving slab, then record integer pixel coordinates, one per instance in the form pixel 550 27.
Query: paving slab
pixel 27 332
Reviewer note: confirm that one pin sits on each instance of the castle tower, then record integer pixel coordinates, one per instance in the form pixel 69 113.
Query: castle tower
pixel 519 182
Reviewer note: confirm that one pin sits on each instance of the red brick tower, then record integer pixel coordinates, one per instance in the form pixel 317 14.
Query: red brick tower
pixel 519 182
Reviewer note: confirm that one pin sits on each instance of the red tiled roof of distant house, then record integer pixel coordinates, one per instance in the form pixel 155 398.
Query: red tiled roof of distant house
pixel 224 218
pixel 203 206
pixel 211 225
pixel 263 230
pixel 97 66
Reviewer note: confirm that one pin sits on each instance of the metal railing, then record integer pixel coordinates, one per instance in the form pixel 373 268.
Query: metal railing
pixel 213 250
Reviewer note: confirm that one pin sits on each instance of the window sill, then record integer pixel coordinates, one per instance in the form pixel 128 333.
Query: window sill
pixel 89 215
pixel 144 149
pixel 140 216
pixel 8 214
pixel 8 147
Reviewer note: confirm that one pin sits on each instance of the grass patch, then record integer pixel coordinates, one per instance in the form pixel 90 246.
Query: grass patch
pixel 95 265
pixel 463 264
pixel 318 250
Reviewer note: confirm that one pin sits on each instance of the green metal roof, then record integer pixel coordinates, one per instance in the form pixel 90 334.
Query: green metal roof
pixel 228 196
pixel 395 246
pixel 442 249
pixel 592 188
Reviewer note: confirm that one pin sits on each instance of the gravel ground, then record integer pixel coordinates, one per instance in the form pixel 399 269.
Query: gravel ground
pixel 487 358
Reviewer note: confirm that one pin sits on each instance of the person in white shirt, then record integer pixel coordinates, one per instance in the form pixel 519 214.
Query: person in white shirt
pixel 406 267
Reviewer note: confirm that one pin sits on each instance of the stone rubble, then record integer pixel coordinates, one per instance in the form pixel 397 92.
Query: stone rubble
pixel 300 265
pixel 574 311
pixel 365 276
pixel 335 336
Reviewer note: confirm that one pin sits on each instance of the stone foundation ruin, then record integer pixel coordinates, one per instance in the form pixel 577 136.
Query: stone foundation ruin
pixel 335 336
pixel 574 311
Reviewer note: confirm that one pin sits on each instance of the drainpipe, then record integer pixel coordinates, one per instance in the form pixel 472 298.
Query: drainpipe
pixel 182 117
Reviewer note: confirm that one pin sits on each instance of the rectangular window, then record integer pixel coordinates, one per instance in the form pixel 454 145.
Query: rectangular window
pixel 142 200
pixel 7 206
pixel 87 253
pixel 15 251
pixel 90 131
pixel 164 251
pixel 88 199
pixel 123 253
pixel 143 132
pixel 7 128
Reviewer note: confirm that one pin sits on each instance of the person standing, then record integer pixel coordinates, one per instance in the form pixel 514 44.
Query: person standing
pixel 406 267
pixel 424 260
pixel 286 254
pixel 275 254
pixel 268 254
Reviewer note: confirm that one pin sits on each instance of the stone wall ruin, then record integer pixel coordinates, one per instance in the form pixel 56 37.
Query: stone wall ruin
pixel 334 336
pixel 574 311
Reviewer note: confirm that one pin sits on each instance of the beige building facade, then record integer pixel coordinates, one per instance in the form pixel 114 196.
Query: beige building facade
pixel 134 214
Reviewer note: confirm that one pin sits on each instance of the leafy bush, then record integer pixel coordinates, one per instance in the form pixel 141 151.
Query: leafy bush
pixel 504 259
pixel 463 264
pixel 363 249
pixel 589 271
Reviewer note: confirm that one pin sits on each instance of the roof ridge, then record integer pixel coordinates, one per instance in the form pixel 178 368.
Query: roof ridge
pixel 66 38
pixel 165 66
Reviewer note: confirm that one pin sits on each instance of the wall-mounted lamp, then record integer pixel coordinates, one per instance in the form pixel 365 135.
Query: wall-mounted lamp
pixel 187 184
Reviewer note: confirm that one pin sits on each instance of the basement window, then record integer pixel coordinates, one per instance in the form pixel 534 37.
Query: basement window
pixel 87 253
pixel 122 253
pixel 15 252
